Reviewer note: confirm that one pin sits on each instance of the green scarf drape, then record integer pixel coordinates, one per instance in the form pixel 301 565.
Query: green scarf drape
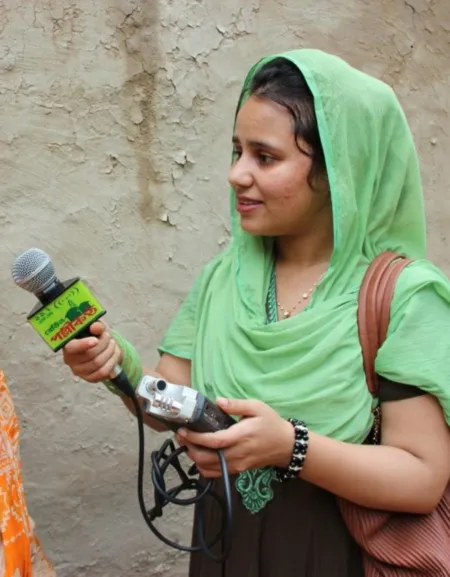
pixel 310 366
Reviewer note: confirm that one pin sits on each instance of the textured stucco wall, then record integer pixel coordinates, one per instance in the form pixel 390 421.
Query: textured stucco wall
pixel 115 120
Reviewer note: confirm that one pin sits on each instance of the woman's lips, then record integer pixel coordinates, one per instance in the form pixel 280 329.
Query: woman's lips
pixel 245 206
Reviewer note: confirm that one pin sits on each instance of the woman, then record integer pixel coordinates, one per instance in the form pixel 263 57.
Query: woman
pixel 20 551
pixel 324 177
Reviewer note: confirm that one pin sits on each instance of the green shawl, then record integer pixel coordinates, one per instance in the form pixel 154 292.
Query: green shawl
pixel 310 366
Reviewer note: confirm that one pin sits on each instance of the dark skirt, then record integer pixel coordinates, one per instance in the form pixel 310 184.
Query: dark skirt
pixel 300 533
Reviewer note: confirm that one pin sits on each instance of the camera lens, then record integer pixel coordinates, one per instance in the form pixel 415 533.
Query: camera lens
pixel 161 385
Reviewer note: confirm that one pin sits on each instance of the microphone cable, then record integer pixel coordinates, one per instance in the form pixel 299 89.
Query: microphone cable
pixel 168 456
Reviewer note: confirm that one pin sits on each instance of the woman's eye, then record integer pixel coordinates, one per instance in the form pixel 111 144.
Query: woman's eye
pixel 265 158
pixel 236 154
pixel 260 157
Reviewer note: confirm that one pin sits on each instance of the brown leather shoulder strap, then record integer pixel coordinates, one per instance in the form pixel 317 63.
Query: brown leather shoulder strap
pixel 374 307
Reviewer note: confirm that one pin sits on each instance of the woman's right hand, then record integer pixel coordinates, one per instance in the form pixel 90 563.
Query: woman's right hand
pixel 93 358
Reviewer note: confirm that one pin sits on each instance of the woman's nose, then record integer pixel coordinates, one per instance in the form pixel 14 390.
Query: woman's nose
pixel 239 175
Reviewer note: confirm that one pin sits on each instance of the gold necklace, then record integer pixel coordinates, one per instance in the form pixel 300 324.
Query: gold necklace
pixel 305 296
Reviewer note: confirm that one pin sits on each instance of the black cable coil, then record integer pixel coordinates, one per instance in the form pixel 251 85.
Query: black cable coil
pixel 168 456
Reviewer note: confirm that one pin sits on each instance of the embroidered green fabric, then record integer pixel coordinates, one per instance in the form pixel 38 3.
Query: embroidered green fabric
pixel 255 486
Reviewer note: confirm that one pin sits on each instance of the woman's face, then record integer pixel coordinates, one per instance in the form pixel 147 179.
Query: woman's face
pixel 269 173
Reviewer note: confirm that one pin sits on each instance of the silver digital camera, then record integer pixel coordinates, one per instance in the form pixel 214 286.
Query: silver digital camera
pixel 179 406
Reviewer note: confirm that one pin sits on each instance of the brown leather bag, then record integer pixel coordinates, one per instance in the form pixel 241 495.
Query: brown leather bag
pixel 393 544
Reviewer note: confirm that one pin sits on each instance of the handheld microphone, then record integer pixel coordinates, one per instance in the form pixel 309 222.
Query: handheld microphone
pixel 65 310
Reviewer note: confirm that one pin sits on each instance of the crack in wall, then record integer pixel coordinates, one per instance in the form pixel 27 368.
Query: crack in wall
pixel 139 31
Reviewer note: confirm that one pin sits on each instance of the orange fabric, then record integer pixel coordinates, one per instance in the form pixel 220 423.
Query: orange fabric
pixel 20 546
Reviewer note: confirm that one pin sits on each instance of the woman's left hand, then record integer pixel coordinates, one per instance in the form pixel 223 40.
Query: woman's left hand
pixel 261 438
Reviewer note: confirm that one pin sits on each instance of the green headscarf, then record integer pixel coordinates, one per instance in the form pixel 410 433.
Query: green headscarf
pixel 310 365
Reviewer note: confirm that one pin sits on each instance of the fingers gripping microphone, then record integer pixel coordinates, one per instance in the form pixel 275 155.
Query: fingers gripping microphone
pixel 65 311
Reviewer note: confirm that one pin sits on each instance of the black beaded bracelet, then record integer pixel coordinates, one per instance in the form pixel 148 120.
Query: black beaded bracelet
pixel 298 452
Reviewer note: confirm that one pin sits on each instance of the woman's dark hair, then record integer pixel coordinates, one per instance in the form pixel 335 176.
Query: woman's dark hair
pixel 282 82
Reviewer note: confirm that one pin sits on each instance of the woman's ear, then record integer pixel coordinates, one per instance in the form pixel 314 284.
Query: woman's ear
pixel 321 185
